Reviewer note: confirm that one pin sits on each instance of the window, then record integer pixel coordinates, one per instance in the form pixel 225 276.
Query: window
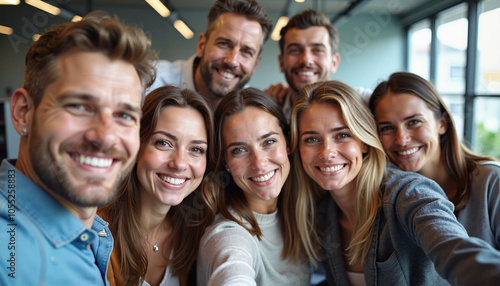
pixel 488 54
pixel 419 49
pixel 451 50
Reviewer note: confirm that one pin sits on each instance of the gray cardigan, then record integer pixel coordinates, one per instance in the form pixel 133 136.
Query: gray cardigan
pixel 417 239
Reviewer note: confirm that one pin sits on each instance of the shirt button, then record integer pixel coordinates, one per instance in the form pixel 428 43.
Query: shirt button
pixel 84 237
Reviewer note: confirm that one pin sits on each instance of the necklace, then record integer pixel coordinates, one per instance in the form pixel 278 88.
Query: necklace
pixel 155 246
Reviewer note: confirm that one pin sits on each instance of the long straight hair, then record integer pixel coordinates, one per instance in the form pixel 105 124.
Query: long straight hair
pixel 223 191
pixel 369 179
pixel 459 161
pixel 189 218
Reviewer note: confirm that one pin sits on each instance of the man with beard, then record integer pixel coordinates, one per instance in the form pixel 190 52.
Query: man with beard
pixel 78 115
pixel 308 45
pixel 227 54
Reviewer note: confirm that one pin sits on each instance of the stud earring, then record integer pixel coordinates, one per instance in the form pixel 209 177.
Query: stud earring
pixel 23 132
pixel 228 170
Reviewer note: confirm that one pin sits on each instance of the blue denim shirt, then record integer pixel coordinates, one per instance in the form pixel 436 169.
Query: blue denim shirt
pixel 41 242
pixel 416 241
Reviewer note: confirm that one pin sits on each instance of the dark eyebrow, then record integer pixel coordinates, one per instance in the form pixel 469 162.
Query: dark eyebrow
pixel 166 134
pixel 173 137
pixel 405 118
pixel 231 41
pixel 95 99
pixel 267 135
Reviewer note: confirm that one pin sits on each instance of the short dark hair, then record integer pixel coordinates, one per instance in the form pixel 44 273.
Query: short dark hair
pixel 248 8
pixel 96 32
pixel 311 18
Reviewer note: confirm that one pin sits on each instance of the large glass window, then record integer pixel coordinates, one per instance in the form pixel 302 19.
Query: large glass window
pixel 419 57
pixel 488 55
pixel 451 50
pixel 487 126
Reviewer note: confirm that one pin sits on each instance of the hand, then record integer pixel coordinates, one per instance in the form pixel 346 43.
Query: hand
pixel 278 91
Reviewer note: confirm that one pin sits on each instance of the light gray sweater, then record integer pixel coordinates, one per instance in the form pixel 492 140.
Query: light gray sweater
pixel 230 255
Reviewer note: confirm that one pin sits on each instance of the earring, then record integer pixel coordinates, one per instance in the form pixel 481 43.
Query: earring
pixel 23 132
pixel 228 170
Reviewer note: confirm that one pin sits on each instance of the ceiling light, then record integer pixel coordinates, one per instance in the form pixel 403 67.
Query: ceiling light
pixel 6 30
pixel 9 2
pixel 44 6
pixel 183 29
pixel 159 7
pixel 282 21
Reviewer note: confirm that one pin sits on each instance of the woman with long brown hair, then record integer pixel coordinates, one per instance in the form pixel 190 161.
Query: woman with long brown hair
pixel 158 217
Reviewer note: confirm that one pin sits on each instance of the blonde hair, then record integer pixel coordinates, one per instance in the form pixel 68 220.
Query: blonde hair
pixel 360 121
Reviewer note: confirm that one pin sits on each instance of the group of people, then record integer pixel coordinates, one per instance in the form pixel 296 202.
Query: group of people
pixel 134 171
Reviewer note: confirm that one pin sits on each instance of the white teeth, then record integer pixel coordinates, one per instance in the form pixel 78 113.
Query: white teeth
pixel 173 181
pixel 331 169
pixel 93 161
pixel 264 177
pixel 408 152
pixel 306 73
pixel 227 75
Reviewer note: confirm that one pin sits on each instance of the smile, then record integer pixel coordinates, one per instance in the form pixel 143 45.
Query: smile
pixel 264 178
pixel 306 73
pixel 173 181
pixel 227 74
pixel 408 152
pixel 93 161
pixel 331 169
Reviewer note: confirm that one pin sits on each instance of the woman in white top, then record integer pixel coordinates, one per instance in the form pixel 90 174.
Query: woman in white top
pixel 257 236
pixel 157 218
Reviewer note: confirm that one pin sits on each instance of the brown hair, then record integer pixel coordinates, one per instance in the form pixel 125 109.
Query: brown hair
pixel 96 32
pixel 369 179
pixel 311 18
pixel 247 8
pixel 459 161
pixel 189 218
pixel 229 194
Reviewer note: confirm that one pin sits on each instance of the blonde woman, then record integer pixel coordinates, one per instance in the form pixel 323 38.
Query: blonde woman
pixel 377 226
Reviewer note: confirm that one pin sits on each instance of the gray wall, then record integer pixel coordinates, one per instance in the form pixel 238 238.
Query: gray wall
pixel 371 45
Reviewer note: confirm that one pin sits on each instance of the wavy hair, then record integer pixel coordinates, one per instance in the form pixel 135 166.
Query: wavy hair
pixel 96 32
pixel 459 161
pixel 189 218
pixel 360 121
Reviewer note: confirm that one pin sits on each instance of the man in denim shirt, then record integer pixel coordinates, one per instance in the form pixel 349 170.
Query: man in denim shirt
pixel 78 115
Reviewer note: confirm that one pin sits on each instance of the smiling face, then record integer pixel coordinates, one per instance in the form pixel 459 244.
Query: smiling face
pixel 229 56
pixel 307 57
pixel 331 155
pixel 410 133
pixel 172 163
pixel 84 135
pixel 255 151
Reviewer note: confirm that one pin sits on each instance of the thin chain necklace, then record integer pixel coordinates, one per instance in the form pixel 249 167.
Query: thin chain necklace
pixel 155 246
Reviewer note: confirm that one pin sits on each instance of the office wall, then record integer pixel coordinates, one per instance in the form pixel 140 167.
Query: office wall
pixel 371 45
